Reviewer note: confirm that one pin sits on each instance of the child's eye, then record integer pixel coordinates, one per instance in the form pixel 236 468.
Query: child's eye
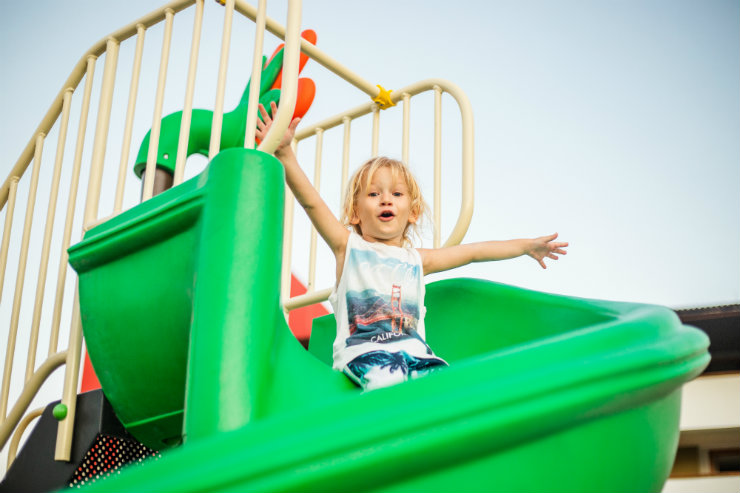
pixel 397 194
pixel 372 194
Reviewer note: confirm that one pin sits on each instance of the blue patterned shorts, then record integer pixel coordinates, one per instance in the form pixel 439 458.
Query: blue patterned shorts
pixel 378 369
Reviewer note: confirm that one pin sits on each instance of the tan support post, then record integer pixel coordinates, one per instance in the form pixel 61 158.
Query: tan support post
pixel 15 315
pixel 437 165
pixel 46 245
pixel 101 133
pixel 130 111
pixel 151 158
pixel 9 211
pixel 187 111
pixel 71 202
pixel 65 429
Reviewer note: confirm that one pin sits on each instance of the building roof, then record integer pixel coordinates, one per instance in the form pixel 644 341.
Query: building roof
pixel 722 325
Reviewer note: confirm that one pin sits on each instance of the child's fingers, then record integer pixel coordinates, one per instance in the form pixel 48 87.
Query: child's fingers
pixel 263 112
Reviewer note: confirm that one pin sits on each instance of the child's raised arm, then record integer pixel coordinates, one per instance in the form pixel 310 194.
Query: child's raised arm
pixel 327 225
pixel 440 259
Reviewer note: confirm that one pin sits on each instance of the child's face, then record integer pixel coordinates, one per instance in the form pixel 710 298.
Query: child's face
pixel 383 209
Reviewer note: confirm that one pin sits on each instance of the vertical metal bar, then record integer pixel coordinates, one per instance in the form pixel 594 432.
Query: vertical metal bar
pixel 345 160
pixel 130 111
pixel 151 157
pixel 71 202
pixel 289 89
pixel 256 80
pixel 71 376
pixel 287 245
pixel 437 165
pixel 376 130
pixel 288 241
pixel 187 112
pixel 9 211
pixel 46 245
pixel 317 185
pixel 406 125
pixel 101 133
pixel 218 111
pixel 15 315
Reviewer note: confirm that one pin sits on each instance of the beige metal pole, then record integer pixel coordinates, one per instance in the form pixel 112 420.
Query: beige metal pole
pixel 289 89
pixel 312 51
pixel 9 211
pixel 376 130
pixel 46 245
pixel 15 315
pixel 256 80
pixel 101 133
pixel 151 158
pixel 287 245
pixel 406 128
pixel 345 160
pixel 71 203
pixel 130 111
pixel 437 165
pixel 218 111
pixel 71 374
pixel 307 299
pixel 187 112
pixel 317 185
pixel 288 239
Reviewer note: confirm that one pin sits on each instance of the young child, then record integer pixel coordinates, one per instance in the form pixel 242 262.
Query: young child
pixel 378 298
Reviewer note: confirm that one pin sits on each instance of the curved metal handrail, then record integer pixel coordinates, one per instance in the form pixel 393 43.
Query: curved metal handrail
pixel 29 392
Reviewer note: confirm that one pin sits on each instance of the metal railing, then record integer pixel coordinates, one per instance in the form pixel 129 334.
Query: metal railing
pixel 17 247
pixel 345 119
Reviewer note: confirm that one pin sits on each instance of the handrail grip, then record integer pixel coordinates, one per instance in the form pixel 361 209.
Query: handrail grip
pixel 29 391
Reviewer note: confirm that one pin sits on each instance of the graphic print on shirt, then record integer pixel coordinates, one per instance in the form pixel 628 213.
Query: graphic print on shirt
pixel 387 316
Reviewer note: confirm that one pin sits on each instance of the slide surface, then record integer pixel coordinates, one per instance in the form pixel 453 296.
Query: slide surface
pixel 180 305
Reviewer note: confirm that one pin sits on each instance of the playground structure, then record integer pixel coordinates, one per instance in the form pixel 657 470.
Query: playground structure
pixel 567 371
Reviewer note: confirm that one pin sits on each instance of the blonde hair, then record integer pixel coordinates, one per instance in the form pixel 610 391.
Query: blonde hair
pixel 362 178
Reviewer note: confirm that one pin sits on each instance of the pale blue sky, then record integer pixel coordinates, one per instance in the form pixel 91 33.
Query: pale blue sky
pixel 616 124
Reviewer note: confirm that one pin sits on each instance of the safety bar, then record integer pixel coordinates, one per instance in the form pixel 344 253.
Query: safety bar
pixel 404 94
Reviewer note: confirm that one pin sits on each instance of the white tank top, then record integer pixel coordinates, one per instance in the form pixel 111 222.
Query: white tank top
pixel 379 302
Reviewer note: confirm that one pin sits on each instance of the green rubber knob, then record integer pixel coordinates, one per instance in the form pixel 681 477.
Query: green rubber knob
pixel 60 412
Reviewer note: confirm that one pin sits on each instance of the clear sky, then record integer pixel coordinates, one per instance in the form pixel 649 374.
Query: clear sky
pixel 616 124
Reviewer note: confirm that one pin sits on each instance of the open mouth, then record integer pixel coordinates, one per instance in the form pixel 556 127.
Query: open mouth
pixel 386 216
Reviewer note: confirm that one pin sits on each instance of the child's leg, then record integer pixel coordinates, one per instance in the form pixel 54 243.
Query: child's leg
pixel 419 367
pixel 377 369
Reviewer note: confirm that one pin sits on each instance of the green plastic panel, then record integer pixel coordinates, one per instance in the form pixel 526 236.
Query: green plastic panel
pixel 180 307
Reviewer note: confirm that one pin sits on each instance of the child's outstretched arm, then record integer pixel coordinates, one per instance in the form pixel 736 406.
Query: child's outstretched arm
pixel 327 225
pixel 440 259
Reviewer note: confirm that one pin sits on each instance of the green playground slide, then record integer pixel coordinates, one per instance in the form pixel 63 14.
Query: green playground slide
pixel 179 300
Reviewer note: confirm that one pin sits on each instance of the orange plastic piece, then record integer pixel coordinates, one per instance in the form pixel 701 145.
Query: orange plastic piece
pixel 310 36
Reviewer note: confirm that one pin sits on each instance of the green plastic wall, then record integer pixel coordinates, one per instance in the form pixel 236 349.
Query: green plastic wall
pixel 180 306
